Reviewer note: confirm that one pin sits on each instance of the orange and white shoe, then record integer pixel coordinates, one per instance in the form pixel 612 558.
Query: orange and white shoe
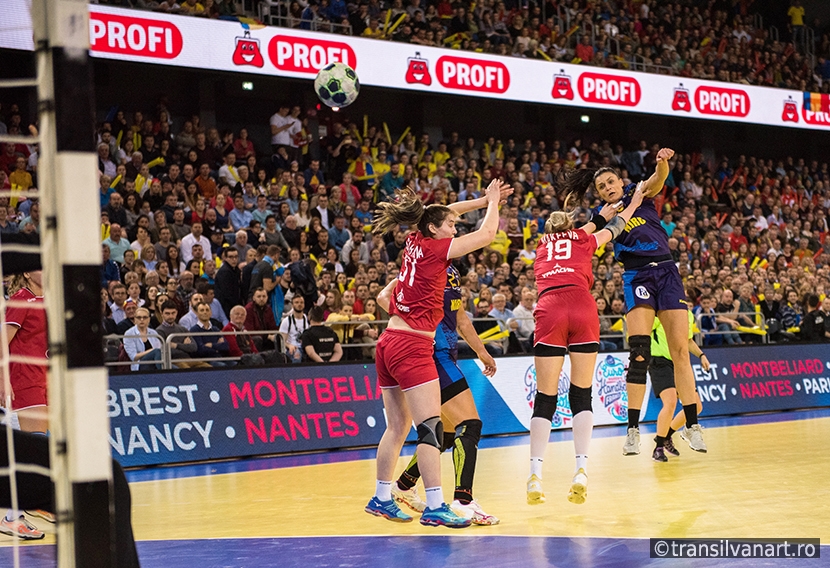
pixel 41 514
pixel 21 528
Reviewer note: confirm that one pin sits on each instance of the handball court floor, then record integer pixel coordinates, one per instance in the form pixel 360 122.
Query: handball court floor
pixel 765 476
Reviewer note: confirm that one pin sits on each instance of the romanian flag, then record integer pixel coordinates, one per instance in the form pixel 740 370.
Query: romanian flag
pixel 816 102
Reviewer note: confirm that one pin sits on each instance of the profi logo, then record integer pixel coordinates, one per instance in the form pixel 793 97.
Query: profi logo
pixel 417 70
pixel 681 100
pixel 302 55
pixel 609 89
pixel 722 101
pixel 128 35
pixel 247 51
pixel 468 74
pixel 562 88
pixel 790 112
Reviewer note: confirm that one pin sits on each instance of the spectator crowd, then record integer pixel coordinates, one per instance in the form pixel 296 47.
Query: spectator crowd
pixel 724 40
pixel 204 233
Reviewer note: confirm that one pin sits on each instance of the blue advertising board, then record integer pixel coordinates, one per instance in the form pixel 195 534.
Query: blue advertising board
pixel 183 416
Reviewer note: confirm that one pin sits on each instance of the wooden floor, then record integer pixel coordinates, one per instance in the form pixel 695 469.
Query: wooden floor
pixel 760 480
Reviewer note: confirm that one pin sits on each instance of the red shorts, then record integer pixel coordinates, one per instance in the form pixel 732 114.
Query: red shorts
pixel 29 397
pixel 566 317
pixel 404 359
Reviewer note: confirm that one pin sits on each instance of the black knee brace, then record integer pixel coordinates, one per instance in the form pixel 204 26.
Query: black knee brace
pixel 470 429
pixel 580 399
pixel 431 432
pixel 449 440
pixel 544 406
pixel 639 349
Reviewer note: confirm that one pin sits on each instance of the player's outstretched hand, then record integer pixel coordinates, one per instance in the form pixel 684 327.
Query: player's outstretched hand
pixel 665 154
pixel 608 211
pixel 505 191
pixel 494 190
pixel 638 195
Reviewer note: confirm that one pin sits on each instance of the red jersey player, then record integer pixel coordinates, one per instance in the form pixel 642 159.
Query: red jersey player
pixel 405 366
pixel 567 321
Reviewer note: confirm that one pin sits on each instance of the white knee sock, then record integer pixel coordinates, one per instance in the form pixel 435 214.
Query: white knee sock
pixel 582 429
pixel 539 436
pixel 383 490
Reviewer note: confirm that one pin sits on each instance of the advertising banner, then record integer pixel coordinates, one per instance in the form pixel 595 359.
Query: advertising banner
pixel 188 416
pixel 200 43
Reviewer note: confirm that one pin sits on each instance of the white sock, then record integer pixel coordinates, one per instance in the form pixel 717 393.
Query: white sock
pixel 539 436
pixel 582 429
pixel 581 462
pixel 12 515
pixel 536 467
pixel 383 490
pixel 435 497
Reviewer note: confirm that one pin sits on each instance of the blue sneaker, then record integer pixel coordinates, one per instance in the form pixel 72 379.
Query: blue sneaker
pixel 387 509
pixel 444 517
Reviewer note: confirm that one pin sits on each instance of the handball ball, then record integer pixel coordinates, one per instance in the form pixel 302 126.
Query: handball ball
pixel 337 85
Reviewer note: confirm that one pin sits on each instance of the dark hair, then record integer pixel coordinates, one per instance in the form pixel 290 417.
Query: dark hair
pixel 579 181
pixel 407 209
pixel 315 314
pixel 169 305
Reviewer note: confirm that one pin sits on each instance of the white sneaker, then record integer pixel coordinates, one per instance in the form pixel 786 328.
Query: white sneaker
pixel 694 436
pixel 535 495
pixel 579 488
pixel 474 512
pixel 410 498
pixel 632 442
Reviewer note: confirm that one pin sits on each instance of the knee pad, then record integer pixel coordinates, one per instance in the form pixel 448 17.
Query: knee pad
pixel 449 440
pixel 580 399
pixel 431 432
pixel 544 406
pixel 470 429
pixel 639 347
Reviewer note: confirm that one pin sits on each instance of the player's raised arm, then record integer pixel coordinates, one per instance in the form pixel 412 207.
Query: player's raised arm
pixel 655 183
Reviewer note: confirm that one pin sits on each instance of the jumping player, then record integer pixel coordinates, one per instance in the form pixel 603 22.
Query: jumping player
pixel 652 285
pixel 458 409
pixel 405 367
pixel 661 370
pixel 25 335
pixel 566 323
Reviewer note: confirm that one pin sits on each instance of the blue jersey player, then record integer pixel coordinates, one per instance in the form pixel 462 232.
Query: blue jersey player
pixel 652 287
pixel 458 409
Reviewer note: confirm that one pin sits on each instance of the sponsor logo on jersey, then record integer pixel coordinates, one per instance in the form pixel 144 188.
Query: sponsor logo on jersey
pixel 129 35
pixel 558 269
pixel 303 55
pixel 417 71
pixel 467 74
pixel 610 381
pixel 722 101
pixel 609 89
pixel 642 293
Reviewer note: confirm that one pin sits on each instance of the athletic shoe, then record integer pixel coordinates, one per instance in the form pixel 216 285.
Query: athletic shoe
pixel 474 512
pixel 535 495
pixel 659 454
pixel 45 515
pixel 21 528
pixel 579 488
pixel 694 436
pixel 387 509
pixel 668 445
pixel 632 442
pixel 410 498
pixel 444 517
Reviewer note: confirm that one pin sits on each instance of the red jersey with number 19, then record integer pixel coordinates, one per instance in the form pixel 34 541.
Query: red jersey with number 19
pixel 564 259
pixel 419 293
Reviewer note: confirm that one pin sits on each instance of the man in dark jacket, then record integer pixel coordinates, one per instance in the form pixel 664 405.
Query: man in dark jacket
pixel 209 346
pixel 228 280
pixel 260 317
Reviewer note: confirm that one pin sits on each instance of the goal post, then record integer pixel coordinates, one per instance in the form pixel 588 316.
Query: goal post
pixel 71 244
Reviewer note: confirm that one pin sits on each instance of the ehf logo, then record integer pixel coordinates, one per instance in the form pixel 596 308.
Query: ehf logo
pixel 563 415
pixel 417 70
pixel 247 51
pixel 642 293
pixel 562 88
pixel 611 387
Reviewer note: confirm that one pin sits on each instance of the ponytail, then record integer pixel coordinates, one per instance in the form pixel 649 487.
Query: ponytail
pixel 578 182
pixel 407 209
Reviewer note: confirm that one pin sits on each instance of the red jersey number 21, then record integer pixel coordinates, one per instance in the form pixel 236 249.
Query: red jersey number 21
pixel 562 248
